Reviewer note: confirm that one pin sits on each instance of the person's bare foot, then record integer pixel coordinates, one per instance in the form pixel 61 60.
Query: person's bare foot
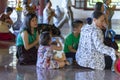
pixel 67 63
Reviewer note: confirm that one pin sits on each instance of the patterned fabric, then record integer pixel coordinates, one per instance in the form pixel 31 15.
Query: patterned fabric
pixel 91 49
pixel 45 58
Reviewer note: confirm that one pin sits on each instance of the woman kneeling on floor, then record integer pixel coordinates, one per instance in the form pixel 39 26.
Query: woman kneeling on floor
pixel 27 41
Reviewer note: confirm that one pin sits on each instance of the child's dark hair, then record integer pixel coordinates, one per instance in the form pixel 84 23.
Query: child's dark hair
pixel 76 23
pixel 98 6
pixel 45 37
pixel 27 21
pixel 89 20
pixel 8 9
pixel 97 14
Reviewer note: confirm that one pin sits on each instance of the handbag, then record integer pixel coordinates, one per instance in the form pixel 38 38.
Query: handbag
pixel 26 56
pixel 109 39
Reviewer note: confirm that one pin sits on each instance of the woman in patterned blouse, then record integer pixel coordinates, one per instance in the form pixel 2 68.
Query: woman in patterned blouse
pixel 91 48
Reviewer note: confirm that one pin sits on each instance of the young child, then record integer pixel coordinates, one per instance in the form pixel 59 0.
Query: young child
pixel 45 57
pixel 72 40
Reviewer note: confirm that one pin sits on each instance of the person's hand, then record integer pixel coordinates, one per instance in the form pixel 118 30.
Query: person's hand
pixel 57 40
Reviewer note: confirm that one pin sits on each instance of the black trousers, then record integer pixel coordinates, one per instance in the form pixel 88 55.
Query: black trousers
pixel 26 57
pixel 108 62
pixel 70 55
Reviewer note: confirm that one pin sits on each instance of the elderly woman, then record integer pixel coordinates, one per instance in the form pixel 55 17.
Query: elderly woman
pixel 99 6
pixel 91 48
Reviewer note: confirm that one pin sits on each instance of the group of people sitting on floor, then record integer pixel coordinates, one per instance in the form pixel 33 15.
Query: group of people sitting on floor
pixel 85 44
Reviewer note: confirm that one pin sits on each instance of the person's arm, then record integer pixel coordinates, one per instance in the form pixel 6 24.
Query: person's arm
pixel 9 21
pixel 69 42
pixel 71 49
pixel 99 45
pixel 52 14
pixel 56 47
pixel 26 42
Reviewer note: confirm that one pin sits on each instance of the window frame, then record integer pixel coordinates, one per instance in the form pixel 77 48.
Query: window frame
pixel 88 8
pixel 14 2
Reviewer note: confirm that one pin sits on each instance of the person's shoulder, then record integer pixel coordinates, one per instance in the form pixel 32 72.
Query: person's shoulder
pixel 69 37
pixel 86 26
pixel 24 32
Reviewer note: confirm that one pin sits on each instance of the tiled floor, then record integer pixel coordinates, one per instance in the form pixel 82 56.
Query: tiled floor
pixel 10 70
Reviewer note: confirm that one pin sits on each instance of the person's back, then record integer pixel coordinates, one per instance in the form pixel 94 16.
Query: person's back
pixel 91 48
pixel 46 58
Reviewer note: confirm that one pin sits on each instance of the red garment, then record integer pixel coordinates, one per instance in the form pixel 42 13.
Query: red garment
pixel 118 65
pixel 7 36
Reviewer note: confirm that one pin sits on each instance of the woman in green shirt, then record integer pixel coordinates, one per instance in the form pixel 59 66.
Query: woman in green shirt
pixel 27 40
